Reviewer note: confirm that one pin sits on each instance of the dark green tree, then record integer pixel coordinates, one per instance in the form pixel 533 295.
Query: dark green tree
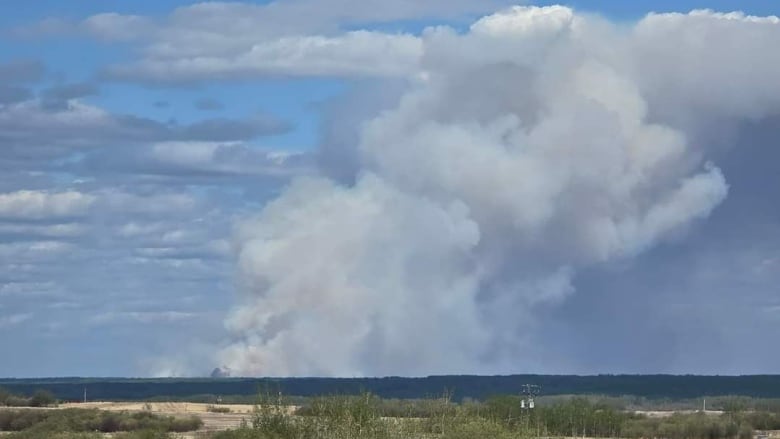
pixel 4 394
pixel 42 398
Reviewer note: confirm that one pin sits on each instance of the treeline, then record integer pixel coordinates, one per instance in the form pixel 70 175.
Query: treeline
pixel 464 386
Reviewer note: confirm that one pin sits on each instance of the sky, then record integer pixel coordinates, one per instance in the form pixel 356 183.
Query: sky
pixel 373 188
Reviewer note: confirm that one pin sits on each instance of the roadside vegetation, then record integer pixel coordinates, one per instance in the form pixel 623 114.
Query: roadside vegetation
pixel 370 417
pixel 218 409
pixel 40 398
pixel 48 423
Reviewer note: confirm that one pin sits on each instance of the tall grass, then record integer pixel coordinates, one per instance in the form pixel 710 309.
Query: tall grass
pixel 47 422
pixel 370 417
pixel 366 417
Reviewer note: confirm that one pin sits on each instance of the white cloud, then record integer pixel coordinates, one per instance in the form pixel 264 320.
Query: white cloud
pixel 113 317
pixel 29 289
pixel 34 251
pixel 14 319
pixel 703 65
pixel 520 22
pixel 65 230
pixel 136 229
pixel 358 53
pixel 219 26
pixel 173 203
pixel 34 130
pixel 40 205
pixel 292 37
pixel 116 27
pixel 224 158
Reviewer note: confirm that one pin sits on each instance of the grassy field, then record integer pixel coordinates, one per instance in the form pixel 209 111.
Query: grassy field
pixel 370 417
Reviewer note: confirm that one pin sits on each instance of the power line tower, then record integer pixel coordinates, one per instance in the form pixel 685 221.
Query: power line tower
pixel 530 391
pixel 527 404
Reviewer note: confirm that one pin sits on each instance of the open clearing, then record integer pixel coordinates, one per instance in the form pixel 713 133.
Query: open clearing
pixel 239 413
pixel 211 421
pixel 160 407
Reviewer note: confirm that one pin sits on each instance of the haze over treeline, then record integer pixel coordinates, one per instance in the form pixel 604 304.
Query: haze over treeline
pixel 650 390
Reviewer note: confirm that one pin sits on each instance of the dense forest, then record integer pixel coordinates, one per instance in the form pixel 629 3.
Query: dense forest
pixel 463 386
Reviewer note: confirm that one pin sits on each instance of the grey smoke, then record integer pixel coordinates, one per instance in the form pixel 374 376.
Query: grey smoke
pixel 539 144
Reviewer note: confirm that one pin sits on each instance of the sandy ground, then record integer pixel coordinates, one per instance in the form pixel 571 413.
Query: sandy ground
pixel 160 407
pixel 211 421
pixel 667 413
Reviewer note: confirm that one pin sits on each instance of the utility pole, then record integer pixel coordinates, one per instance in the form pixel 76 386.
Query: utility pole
pixel 530 391
pixel 85 395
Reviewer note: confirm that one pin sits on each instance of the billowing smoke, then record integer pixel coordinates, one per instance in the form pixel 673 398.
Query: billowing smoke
pixel 535 144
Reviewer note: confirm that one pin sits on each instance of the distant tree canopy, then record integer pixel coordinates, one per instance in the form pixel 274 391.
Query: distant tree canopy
pixel 463 386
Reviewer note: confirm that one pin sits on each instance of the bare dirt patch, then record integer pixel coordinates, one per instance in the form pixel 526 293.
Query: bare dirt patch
pixel 668 413
pixel 211 421
pixel 161 407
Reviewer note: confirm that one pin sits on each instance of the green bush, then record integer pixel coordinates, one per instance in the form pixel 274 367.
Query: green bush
pixel 52 435
pixel 17 401
pixel 180 425
pixel 42 398
pixel 143 434
pixel 81 420
pixel 363 417
pixel 4 395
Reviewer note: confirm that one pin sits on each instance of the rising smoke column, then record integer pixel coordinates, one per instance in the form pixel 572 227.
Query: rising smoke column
pixel 538 143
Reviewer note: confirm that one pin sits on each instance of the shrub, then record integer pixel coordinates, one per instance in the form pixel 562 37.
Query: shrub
pixel 180 425
pixel 4 395
pixel 80 420
pixel 17 401
pixel 53 435
pixel 42 398
pixel 143 434
pixel 110 423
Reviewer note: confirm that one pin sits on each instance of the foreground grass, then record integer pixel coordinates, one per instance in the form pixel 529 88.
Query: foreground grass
pixel 82 423
pixel 366 417
pixel 370 417
pixel 149 434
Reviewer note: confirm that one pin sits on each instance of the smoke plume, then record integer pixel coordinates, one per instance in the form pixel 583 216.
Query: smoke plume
pixel 536 144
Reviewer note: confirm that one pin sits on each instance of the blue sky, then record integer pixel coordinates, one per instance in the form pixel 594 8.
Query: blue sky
pixel 291 100
pixel 139 135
